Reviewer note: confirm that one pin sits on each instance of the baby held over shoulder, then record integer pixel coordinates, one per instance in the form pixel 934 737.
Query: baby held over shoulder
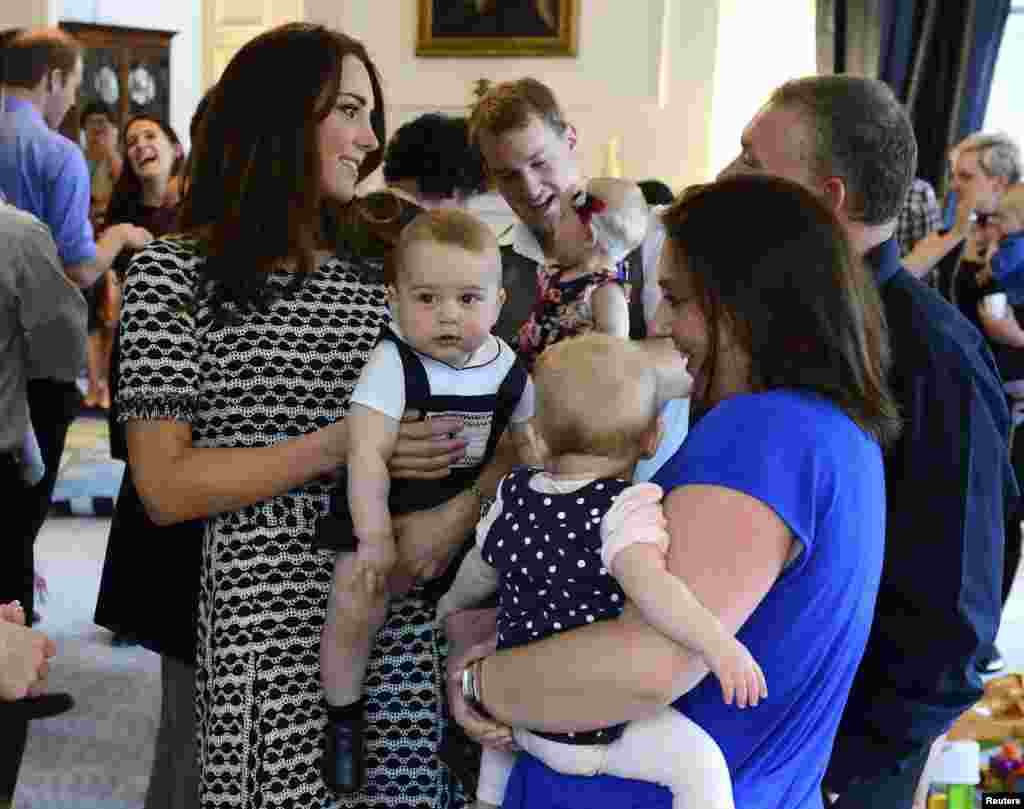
pixel 553 536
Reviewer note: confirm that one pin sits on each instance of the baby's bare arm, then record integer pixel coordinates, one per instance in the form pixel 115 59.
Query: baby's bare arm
pixel 671 607
pixel 372 440
pixel 664 600
pixel 611 310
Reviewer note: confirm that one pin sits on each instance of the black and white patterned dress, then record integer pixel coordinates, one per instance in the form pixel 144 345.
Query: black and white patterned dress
pixel 273 376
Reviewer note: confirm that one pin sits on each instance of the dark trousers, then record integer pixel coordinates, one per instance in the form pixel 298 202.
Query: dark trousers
pixel 13 735
pixel 892 789
pixel 174 778
pixel 13 731
pixel 53 406
pixel 1012 548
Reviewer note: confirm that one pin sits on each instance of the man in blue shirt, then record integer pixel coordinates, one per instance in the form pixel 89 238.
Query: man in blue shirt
pixel 44 173
pixel 948 479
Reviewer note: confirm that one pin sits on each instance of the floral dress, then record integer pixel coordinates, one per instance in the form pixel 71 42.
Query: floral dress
pixel 563 308
pixel 270 376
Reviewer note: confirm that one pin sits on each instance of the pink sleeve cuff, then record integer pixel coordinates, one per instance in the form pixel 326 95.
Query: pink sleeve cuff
pixel 635 516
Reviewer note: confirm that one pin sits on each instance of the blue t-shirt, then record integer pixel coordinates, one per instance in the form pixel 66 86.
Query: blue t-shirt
pixel 822 475
pixel 1008 267
pixel 44 173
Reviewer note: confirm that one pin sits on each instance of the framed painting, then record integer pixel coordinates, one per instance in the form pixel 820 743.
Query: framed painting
pixel 497 28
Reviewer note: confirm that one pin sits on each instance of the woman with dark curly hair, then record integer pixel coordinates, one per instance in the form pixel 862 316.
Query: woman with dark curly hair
pixel 242 340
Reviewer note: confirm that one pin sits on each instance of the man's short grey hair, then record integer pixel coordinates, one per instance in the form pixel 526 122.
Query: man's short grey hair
pixel 998 154
pixel 861 134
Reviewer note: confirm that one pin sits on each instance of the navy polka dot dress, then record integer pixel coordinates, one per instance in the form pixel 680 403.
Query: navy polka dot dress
pixel 547 551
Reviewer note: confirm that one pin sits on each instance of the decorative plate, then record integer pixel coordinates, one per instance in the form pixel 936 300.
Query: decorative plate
pixel 141 86
pixel 107 86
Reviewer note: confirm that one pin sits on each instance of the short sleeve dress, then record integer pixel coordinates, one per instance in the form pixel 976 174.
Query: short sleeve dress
pixel 268 377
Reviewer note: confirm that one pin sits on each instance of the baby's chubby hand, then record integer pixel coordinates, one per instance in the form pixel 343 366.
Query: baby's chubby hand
pixel 738 673
pixel 375 560
pixel 12 613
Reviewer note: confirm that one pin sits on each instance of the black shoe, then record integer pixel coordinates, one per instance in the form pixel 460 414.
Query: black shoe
pixel 343 756
pixel 42 707
pixel 122 640
pixel 990 661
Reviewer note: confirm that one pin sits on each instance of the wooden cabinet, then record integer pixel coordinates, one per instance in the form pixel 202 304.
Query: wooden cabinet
pixel 129 69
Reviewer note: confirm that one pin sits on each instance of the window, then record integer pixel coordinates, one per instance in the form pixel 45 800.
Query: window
pixel 1005 111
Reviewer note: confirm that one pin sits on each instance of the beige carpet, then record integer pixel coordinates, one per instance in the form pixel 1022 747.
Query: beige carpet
pixel 96 756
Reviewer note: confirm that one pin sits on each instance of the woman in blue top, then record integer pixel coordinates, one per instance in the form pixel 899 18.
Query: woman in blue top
pixel 775 504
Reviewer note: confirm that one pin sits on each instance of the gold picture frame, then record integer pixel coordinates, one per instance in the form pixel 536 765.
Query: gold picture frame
pixel 497 28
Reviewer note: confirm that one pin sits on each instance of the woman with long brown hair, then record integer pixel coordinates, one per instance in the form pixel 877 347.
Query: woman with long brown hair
pixel 241 343
pixel 775 504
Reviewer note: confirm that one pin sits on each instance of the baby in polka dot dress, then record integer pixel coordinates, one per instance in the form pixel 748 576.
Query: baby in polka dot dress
pixel 555 546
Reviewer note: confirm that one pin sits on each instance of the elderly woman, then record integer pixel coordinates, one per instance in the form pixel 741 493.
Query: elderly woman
pixel 775 505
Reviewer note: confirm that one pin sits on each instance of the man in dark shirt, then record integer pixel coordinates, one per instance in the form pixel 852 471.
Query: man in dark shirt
pixel 530 150
pixel 948 479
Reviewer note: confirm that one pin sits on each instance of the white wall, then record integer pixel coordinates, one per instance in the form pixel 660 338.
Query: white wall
pixel 643 75
pixel 1005 111
pixel 27 13
pixel 646 73
pixel 747 68
pixel 183 16
pixel 673 80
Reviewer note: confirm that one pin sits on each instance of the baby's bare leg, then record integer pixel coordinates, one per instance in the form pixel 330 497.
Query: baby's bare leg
pixel 356 610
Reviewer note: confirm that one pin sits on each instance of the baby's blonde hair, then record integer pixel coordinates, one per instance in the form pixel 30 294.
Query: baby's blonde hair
pixel 449 226
pixel 1012 204
pixel 596 395
pixel 621 227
